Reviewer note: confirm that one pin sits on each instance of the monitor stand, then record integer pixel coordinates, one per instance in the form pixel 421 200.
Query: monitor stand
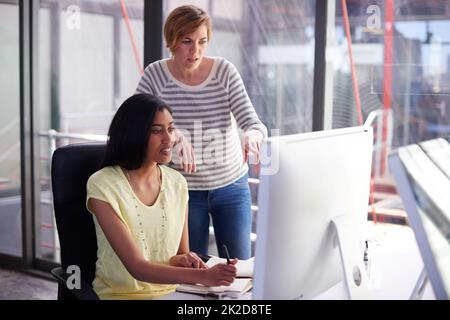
pixel 355 275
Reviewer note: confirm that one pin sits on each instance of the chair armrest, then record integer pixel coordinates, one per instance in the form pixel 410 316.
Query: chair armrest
pixel 84 293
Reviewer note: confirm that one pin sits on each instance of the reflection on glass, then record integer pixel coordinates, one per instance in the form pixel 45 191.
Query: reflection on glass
pixel 10 176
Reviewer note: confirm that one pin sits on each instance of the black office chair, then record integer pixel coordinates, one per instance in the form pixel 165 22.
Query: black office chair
pixel 72 165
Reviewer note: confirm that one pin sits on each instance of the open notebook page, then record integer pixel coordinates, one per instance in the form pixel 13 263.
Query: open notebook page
pixel 240 285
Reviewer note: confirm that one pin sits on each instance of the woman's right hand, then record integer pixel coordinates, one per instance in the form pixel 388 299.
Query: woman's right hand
pixel 185 152
pixel 187 260
pixel 221 274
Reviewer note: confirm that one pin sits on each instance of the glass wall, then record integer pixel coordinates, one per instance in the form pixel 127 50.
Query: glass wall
pixel 272 45
pixel 403 68
pixel 10 176
pixel 90 60
pixel 399 63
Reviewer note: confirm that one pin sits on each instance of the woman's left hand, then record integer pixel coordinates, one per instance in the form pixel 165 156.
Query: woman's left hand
pixel 185 152
pixel 252 144
pixel 187 260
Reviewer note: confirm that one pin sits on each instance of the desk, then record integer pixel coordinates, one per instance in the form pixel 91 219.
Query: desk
pixel 394 268
pixel 395 265
pixel 191 296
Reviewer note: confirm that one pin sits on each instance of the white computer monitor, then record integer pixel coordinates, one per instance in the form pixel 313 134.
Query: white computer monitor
pixel 312 215
pixel 421 177
pixel 438 150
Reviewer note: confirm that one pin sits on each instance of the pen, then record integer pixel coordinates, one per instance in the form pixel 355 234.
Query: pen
pixel 225 249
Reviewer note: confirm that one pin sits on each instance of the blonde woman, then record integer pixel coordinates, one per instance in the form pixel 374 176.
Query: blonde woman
pixel 210 103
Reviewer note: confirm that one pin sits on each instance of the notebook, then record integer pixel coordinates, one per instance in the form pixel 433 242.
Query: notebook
pixel 240 286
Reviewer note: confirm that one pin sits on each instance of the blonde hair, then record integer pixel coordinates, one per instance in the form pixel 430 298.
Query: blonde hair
pixel 182 21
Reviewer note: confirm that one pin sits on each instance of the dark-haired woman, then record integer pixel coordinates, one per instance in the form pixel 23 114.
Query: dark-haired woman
pixel 140 210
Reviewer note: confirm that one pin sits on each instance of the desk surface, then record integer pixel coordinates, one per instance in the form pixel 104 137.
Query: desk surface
pixel 395 264
pixel 394 268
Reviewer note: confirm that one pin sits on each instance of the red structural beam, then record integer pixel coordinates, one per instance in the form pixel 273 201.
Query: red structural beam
pixel 137 56
pixel 352 64
pixel 387 75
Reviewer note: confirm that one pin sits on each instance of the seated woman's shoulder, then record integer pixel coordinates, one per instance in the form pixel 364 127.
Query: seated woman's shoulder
pixel 173 175
pixel 106 175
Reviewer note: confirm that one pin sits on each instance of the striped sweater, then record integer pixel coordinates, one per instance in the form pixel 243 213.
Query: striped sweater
pixel 209 115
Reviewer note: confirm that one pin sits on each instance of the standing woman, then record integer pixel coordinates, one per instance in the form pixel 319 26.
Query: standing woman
pixel 208 99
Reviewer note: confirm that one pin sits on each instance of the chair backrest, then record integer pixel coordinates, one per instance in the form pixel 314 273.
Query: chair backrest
pixel 72 165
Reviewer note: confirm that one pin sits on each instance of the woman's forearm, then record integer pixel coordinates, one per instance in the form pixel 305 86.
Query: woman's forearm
pixel 166 274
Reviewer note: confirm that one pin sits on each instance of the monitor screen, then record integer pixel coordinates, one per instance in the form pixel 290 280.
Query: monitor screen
pixel 307 182
pixel 420 173
pixel 438 150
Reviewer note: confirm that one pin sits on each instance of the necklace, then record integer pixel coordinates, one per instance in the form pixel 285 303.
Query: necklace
pixel 157 249
pixel 158 176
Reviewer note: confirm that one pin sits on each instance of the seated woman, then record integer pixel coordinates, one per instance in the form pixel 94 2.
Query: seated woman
pixel 140 210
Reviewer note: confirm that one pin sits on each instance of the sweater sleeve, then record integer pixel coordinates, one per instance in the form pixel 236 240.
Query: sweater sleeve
pixel 240 104
pixel 145 84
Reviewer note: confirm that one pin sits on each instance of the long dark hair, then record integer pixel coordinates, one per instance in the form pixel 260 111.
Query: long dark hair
pixel 130 130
